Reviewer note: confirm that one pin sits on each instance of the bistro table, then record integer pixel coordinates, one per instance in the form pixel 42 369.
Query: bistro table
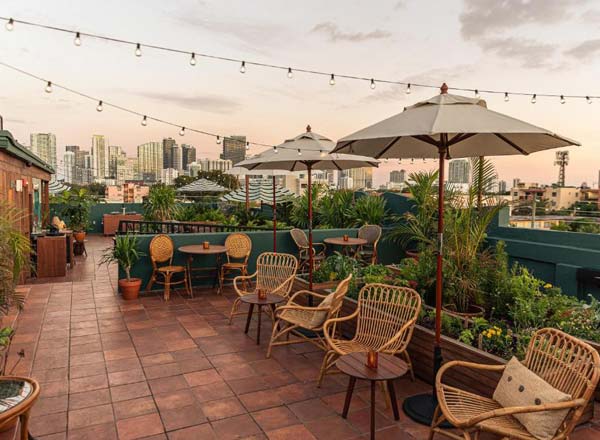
pixel 389 369
pixel 346 244
pixel 252 299
pixel 17 397
pixel 193 250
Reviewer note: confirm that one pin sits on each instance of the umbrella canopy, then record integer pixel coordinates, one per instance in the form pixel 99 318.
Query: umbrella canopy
pixel 259 190
pixel 56 187
pixel 201 185
pixel 241 171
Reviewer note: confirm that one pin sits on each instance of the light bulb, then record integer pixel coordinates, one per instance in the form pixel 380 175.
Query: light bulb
pixel 247 146
pixel 77 40
pixel 408 89
pixel 10 24
pixel 412 161
pixel 399 161
pixel 477 95
pixel 299 152
pixel 99 107
pixel 182 131
pixel 332 80
pixel 290 74
pixel 218 140
pixel 243 67
pixel 562 99
pixel 386 160
pixel 534 99
pixel 321 153
pixel 144 121
pixel 373 85
pixel 423 160
pixel 49 87
pixel 506 98
pixel 193 59
pixel 275 150
pixel 588 99
pixel 138 50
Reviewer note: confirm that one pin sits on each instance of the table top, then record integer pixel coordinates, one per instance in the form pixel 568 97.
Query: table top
pixel 355 365
pixel 252 298
pixel 198 249
pixel 339 241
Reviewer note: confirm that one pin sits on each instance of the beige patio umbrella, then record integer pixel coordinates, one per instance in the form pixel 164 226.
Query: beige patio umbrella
pixel 306 152
pixel 447 126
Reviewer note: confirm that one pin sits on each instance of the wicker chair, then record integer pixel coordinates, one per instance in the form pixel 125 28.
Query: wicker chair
pixel 567 363
pixel 301 240
pixel 161 251
pixel 275 273
pixel 367 253
pixel 293 316
pixel 238 247
pixel 386 317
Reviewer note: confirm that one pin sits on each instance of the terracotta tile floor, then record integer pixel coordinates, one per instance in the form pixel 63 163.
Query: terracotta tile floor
pixel 148 369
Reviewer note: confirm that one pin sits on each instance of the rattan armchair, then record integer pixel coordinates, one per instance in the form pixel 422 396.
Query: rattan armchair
pixel 238 247
pixel 275 273
pixel 161 251
pixel 293 316
pixel 367 253
pixel 301 240
pixel 566 363
pixel 385 319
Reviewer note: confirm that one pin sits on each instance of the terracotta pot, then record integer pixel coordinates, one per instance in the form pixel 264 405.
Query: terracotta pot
pixel 79 236
pixel 130 289
pixel 412 253
pixel 475 311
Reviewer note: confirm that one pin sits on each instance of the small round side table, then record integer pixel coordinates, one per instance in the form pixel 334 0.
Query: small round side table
pixel 253 300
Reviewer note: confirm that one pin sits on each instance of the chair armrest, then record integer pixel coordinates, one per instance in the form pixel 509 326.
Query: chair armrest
pixel 297 307
pixel 240 278
pixel 305 292
pixel 472 365
pixel 399 334
pixel 284 288
pixel 333 322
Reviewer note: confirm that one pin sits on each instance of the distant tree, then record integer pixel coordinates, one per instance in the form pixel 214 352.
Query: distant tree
pixel 183 180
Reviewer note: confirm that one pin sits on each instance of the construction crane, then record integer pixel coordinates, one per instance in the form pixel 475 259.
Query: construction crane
pixel 562 160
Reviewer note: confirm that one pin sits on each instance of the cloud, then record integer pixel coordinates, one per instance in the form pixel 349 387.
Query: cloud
pixel 531 53
pixel 333 32
pixel 208 103
pixel 586 49
pixel 400 5
pixel 591 16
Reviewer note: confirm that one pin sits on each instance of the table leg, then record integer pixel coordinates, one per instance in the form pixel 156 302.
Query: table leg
pixel 217 279
pixel 349 391
pixel 250 311
pixel 189 274
pixel 372 409
pixel 392 393
pixel 259 324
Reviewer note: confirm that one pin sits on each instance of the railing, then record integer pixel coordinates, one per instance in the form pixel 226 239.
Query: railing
pixel 173 227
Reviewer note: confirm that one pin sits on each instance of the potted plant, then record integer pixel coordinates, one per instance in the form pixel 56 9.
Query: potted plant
pixel 75 206
pixel 125 253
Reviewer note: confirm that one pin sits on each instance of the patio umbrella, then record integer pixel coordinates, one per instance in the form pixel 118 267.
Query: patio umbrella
pixel 306 152
pixel 57 186
pixel 441 127
pixel 200 186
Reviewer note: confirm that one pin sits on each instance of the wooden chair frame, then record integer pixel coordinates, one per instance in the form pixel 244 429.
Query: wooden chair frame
pixel 239 247
pixel 370 247
pixel 161 250
pixel 385 319
pixel 293 316
pixel 565 362
pixel 301 241
pixel 22 412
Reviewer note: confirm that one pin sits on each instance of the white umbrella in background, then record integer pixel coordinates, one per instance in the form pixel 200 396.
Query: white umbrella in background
pixel 306 152
pixel 442 127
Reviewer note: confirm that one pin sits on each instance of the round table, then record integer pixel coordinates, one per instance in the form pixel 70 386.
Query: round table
pixel 192 250
pixel 347 244
pixel 389 369
pixel 253 300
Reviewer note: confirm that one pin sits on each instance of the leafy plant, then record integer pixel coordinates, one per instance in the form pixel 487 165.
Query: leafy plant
pixel 299 212
pixel 375 273
pixel 368 210
pixel 335 268
pixel 15 254
pixel 124 252
pixel 75 206
pixel 334 209
pixel 160 204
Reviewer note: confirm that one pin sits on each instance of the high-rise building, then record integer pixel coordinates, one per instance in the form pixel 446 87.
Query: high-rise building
pixel 398 176
pixel 176 159
pixel 167 147
pixel 85 174
pixel 168 175
pixel 188 155
pixel 43 145
pixel 502 186
pixel 458 171
pixel 358 178
pixel 150 160
pixel 115 153
pixel 99 157
pixel 69 167
pixel 516 182
pixel 234 149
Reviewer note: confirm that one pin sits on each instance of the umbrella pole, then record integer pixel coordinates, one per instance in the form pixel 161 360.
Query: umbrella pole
pixel 247 179
pixel 310 227
pixel 274 218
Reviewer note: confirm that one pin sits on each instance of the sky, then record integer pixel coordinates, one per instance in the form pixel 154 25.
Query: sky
pixel 534 46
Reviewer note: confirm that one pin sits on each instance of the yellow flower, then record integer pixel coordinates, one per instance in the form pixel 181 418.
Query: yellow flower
pixel 547 286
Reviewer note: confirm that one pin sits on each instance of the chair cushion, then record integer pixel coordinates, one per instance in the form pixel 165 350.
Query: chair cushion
pixel 320 316
pixel 520 386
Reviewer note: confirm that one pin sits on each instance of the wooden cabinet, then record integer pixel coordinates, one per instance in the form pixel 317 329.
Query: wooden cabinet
pixel 111 221
pixel 51 256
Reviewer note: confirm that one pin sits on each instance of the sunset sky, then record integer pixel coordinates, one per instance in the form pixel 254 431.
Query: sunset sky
pixel 535 46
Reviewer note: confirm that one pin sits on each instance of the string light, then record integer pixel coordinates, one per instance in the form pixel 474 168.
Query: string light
pixel 332 80
pixel 412 161
pixel 138 50
pixel 373 84
pixel 243 67
pixel 477 95
pixel 386 160
pixel 562 99
pixel 182 131
pixel 275 150
pixel 77 40
pixel 247 146
pixel 534 98
pixel 48 87
pixel 299 152
pixel 408 89
pixel 506 98
pixel 99 107
pixel 144 121
pixel 10 24
pixel 290 74
pixel 588 99
pixel 218 140
pixel 193 59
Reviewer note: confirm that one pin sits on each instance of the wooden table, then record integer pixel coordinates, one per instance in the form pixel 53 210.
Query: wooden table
pixel 253 300
pixel 110 222
pixel 389 369
pixel 346 244
pixel 51 255
pixel 17 401
pixel 193 250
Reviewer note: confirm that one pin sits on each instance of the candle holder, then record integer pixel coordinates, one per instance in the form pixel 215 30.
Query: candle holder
pixel 345 237
pixel 205 245
pixel 372 358
pixel 262 294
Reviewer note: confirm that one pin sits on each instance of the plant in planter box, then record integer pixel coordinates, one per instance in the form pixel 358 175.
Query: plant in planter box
pixel 335 268
pixel 126 254
pixel 75 206
pixel 160 204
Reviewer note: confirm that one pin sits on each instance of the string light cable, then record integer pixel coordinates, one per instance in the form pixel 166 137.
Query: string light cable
pixel 12 23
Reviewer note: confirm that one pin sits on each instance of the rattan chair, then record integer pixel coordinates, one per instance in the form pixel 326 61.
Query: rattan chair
pixel 385 320
pixel 367 253
pixel 566 363
pixel 275 273
pixel 301 240
pixel 161 251
pixel 293 316
pixel 238 247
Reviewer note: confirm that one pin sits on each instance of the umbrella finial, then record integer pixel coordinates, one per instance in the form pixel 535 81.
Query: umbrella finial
pixel 308 128
pixel 444 89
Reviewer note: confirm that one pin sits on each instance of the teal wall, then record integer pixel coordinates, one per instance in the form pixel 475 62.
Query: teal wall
pixel 98 210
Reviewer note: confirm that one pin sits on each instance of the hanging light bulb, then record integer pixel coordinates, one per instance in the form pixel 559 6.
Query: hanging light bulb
pixel 299 152
pixel 412 161
pixel 477 95
pixel 49 87
pixel 408 89
pixel 243 67
pixel 534 98
pixel 99 107
pixel 275 150
pixel 77 40
pixel 10 24
pixel 144 121
pixel 193 59
pixel 218 140
pixel 290 74
pixel 332 80
pixel 424 160
pixel 182 131
pixel 562 99
pixel 386 160
pixel 321 153
pixel 506 98
pixel 373 84
pixel 588 99
pixel 247 146
pixel 399 161
pixel 138 50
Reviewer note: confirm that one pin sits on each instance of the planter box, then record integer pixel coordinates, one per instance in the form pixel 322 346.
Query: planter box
pixel 302 284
